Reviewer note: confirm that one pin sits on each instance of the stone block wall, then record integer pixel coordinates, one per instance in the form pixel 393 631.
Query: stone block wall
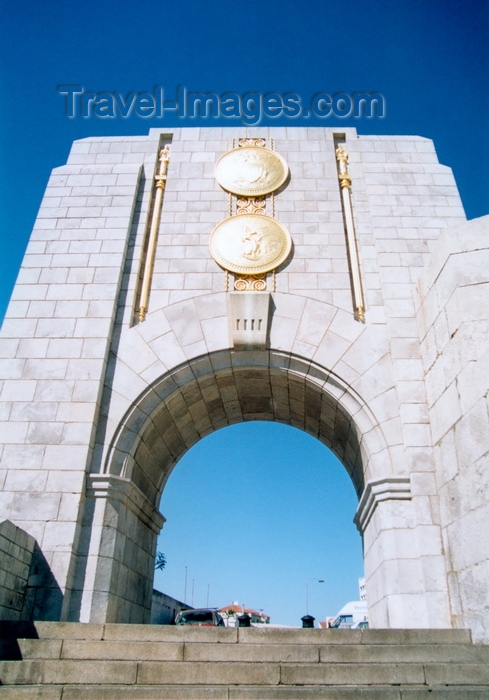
pixel 56 338
pixel 453 313
pixel 16 550
pixel 164 608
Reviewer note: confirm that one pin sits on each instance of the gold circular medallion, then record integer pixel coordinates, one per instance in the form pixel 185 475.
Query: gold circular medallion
pixel 251 171
pixel 249 244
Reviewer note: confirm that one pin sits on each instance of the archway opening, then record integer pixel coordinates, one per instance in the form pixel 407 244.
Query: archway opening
pixel 259 513
pixel 190 403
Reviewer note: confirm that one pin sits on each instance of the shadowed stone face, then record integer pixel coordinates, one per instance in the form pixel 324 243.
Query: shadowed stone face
pixel 232 396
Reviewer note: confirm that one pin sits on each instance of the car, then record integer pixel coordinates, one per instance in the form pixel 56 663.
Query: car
pixel 204 617
pixel 362 625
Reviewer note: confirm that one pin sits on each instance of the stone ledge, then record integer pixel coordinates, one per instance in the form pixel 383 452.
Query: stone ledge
pixel 171 692
pixel 110 486
pixel 391 488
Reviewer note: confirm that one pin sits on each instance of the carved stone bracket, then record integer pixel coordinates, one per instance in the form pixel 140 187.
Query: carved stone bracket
pixel 248 317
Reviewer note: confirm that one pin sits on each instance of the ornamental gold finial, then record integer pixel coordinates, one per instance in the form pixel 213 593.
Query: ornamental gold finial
pixel 164 159
pixel 342 158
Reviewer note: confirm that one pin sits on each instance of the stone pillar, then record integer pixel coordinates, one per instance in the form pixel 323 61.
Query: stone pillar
pixel 115 565
pixel 56 338
pixel 404 564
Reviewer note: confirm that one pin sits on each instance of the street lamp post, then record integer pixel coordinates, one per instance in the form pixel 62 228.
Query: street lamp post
pixel 318 580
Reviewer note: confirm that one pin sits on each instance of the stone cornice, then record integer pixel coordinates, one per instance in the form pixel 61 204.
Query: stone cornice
pixel 397 488
pixel 117 488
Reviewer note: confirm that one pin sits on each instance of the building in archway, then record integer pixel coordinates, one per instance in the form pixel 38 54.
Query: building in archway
pixel 315 277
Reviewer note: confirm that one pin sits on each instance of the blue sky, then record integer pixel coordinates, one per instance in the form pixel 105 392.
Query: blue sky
pixel 255 512
pixel 429 60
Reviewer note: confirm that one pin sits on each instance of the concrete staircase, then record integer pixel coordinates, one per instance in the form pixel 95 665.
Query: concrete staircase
pixel 71 661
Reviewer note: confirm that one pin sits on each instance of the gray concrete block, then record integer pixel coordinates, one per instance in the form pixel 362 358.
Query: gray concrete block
pixel 31 692
pixel 457 674
pixel 67 672
pixel 129 650
pixel 40 648
pixel 413 636
pixel 152 673
pixel 251 652
pixel 405 653
pixel 313 692
pixel 169 692
pixel 351 674
pixel 69 630
pixel 445 693
pixel 297 636
pixel 20 673
pixel 167 633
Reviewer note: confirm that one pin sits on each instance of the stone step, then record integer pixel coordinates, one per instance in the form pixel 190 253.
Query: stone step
pixel 71 661
pixel 64 672
pixel 264 635
pixel 247 652
pixel 117 692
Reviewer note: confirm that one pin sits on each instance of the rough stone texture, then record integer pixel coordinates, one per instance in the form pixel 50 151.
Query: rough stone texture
pixel 257 664
pixel 242 693
pixel 453 295
pixel 16 550
pixel 97 407
pixel 164 608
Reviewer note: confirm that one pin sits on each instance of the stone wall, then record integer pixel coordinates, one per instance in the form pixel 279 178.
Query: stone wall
pixel 55 342
pixel 164 608
pixel 16 550
pixel 453 312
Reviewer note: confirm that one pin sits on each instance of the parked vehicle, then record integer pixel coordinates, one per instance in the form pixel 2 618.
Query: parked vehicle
pixel 200 618
pixel 351 614
pixel 362 625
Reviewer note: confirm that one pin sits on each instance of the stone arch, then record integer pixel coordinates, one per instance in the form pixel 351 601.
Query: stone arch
pixel 206 393
pixel 211 392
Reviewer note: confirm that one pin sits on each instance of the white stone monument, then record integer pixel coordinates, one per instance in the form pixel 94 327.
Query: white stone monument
pixel 344 293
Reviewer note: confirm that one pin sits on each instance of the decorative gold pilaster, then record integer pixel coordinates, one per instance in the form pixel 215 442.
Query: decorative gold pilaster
pixel 250 172
pixel 160 185
pixel 345 184
pixel 251 205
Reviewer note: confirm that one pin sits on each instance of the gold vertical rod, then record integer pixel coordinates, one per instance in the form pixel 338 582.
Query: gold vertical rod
pixel 153 234
pixel 345 184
